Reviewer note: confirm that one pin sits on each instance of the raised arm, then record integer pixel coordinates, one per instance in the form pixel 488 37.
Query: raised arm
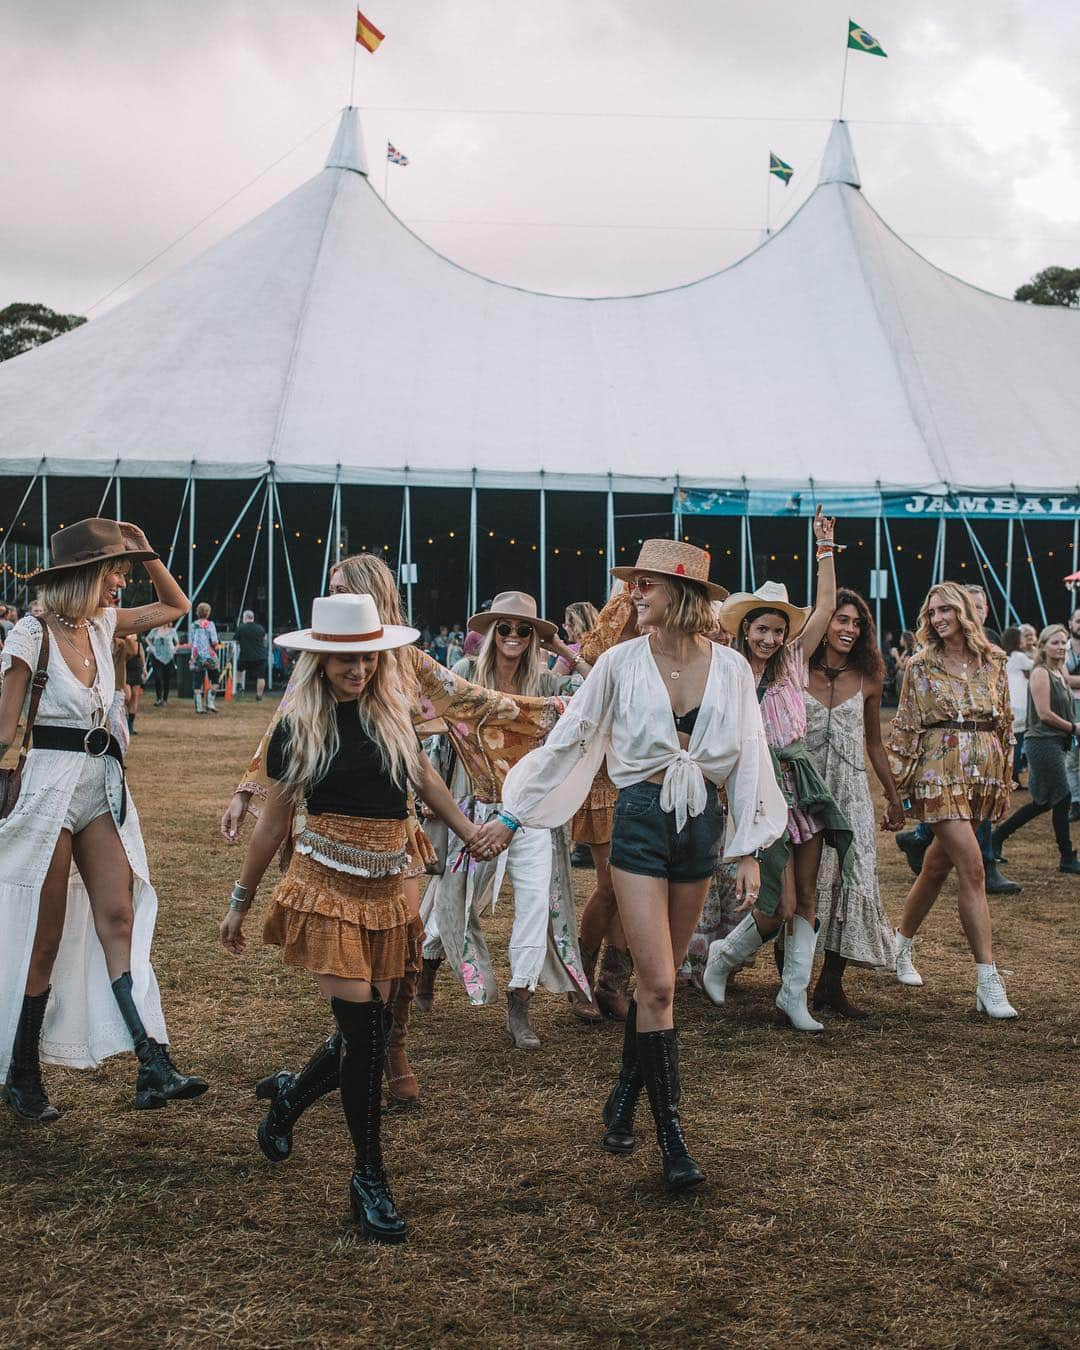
pixel 825 602
pixel 171 601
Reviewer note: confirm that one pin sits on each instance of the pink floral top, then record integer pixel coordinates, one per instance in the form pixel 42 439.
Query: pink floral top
pixel 783 710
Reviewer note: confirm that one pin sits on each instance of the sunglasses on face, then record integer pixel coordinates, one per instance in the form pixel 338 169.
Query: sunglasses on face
pixel 643 585
pixel 523 630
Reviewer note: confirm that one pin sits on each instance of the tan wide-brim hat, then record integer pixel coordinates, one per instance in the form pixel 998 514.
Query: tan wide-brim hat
pixel 85 543
pixel 513 606
pixel 672 558
pixel 346 624
pixel 771 595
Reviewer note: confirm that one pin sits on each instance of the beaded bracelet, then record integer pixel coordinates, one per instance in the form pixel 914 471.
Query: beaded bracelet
pixel 511 823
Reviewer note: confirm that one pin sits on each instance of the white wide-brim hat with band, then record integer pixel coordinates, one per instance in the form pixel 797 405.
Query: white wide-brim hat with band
pixel 345 624
pixel 511 607
pixel 672 558
pixel 770 595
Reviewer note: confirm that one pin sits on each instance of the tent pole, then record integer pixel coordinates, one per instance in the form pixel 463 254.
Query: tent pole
pixel 678 509
pixel 1009 573
pixel 877 579
pixel 809 558
pixel 609 536
pixel 742 553
pixel 750 554
pixel 254 549
pixel 118 515
pixel 179 522
pixel 337 520
pixel 11 530
pixel 1075 561
pixel 225 542
pixel 472 547
pixel 270 576
pixel 288 559
pixel 105 494
pixel 543 550
pixel 190 578
pixel 901 617
pixel 329 535
pixel 44 516
pixel 407 526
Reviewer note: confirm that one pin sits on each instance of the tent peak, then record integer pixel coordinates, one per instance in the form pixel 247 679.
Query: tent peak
pixel 838 164
pixel 347 151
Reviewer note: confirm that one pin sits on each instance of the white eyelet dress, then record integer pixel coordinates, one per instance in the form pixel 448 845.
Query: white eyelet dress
pixel 83 1025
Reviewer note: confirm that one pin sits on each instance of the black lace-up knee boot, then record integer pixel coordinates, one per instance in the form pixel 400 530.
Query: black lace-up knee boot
pixel 24 1091
pixel 159 1081
pixel 622 1102
pixel 290 1095
pixel 658 1053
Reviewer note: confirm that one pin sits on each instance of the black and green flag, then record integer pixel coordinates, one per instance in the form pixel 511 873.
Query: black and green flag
pixel 780 169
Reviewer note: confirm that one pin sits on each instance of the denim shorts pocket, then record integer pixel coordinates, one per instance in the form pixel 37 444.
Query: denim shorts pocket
pixel 632 804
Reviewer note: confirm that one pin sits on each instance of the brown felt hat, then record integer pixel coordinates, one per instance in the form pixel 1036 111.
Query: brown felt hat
pixel 672 558
pixel 87 542
pixel 511 605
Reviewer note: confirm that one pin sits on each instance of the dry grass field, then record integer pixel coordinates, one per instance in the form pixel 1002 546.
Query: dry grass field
pixel 907 1181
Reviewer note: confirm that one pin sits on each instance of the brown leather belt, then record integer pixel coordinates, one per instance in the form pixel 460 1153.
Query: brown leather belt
pixel 961 726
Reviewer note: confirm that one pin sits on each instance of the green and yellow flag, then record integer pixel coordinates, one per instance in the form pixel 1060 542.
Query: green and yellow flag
pixel 862 41
pixel 780 169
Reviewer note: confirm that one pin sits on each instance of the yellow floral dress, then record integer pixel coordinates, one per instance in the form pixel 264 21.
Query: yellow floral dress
pixel 951 772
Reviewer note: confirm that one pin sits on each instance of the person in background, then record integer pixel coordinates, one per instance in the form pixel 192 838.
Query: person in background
pixel 1018 667
pixel 135 676
pixel 7 623
pixel 37 609
pixel 1072 675
pixel 162 643
pixel 455 650
pixel 251 641
pixel 203 662
pixel 949 751
pixel 440 645
pixel 1052 729
pixel 982 609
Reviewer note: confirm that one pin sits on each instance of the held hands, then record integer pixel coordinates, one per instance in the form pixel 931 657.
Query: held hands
pixel 232 932
pixel 489 840
pixel 747 884
pixel 892 818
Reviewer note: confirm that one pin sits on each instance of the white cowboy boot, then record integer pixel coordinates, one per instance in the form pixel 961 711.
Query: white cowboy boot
pixel 798 959
pixel 725 954
pixel 905 970
pixel 211 706
pixel 198 700
pixel 990 996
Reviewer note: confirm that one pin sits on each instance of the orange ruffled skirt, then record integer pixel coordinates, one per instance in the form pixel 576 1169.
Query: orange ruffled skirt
pixel 334 922
pixel 592 824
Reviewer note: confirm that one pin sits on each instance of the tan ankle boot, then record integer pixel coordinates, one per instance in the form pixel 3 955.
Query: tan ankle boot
pixel 517 1023
pixel 612 989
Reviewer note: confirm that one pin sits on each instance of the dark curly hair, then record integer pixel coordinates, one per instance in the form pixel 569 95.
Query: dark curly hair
pixel 865 654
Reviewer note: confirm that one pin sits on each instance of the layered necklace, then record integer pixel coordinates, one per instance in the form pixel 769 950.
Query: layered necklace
pixel 74 627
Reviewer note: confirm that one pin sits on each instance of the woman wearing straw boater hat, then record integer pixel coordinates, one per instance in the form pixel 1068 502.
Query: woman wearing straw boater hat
pixel 82 932
pixel 676 718
pixel 341 761
pixel 543 941
pixel 774 635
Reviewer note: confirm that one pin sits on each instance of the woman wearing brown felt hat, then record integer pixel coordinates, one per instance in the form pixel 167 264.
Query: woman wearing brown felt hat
pixel 73 806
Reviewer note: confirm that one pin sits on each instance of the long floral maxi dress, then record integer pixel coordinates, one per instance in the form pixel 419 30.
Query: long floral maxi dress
pixel 949 772
pixel 853 921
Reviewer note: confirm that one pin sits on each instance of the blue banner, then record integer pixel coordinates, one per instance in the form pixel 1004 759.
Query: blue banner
pixel 869 505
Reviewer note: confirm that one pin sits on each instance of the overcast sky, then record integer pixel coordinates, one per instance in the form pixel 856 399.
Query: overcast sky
pixel 588 147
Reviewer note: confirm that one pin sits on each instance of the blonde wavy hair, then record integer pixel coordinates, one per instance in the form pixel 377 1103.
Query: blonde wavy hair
pixel 689 608
pixel 385 714
pixel 76 593
pixel 367 574
pixel 959 599
pixel 581 615
pixel 529 670
pixel 1044 637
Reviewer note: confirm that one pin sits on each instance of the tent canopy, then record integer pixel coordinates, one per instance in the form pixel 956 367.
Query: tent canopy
pixel 324 338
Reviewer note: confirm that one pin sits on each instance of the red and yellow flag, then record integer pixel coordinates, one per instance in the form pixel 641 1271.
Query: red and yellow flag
pixel 367 34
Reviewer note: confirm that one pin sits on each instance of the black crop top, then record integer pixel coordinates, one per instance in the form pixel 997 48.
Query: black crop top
pixel 685 722
pixel 356 784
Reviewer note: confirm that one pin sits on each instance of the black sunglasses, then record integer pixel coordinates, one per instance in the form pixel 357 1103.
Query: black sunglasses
pixel 522 630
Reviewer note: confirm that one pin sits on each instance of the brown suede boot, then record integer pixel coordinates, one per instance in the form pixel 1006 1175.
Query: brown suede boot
pixel 402 1085
pixel 829 990
pixel 612 989
pixel 583 1008
pixel 425 990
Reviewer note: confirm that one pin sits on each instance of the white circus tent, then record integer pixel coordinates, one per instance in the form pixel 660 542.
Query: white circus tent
pixel 324 342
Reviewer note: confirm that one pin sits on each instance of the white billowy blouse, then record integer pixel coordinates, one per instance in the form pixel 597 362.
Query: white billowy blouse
pixel 623 712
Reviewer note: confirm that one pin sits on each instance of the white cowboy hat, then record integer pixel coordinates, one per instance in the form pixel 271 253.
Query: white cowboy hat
pixel 347 623
pixel 673 558
pixel 511 606
pixel 771 595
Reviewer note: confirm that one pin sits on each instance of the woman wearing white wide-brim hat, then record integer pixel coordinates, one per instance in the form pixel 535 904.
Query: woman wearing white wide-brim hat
pixel 341 761
pixel 676 718
pixel 775 636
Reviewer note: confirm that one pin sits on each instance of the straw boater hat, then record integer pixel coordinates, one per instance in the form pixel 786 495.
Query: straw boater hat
pixel 771 595
pixel 85 543
pixel 347 623
pixel 514 606
pixel 670 558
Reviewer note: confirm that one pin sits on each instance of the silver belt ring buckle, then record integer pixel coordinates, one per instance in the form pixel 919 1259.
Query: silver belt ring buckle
pixel 96 741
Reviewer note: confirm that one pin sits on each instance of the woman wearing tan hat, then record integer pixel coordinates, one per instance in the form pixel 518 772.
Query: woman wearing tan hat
pixel 543 940
pixel 676 718
pixel 74 807
pixel 773 635
pixel 341 761
pixel 488 732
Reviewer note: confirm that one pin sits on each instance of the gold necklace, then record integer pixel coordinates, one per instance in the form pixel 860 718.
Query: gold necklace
pixel 659 651
pixel 64 637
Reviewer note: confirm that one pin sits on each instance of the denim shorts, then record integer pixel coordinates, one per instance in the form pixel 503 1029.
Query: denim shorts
pixel 644 839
